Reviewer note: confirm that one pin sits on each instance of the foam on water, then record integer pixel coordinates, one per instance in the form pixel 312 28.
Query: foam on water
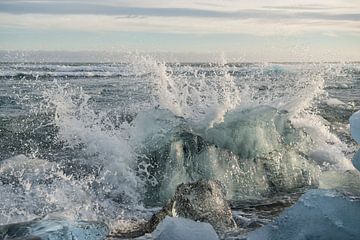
pixel 36 187
pixel 79 125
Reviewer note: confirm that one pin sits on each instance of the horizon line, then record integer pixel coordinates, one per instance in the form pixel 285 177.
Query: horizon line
pixel 107 56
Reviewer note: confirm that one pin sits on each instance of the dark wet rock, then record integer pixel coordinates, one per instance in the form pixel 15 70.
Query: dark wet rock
pixel 202 201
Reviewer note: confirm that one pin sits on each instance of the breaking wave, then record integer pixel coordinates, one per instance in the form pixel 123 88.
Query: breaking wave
pixel 253 127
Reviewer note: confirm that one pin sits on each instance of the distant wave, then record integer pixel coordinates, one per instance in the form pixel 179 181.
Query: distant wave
pixel 72 74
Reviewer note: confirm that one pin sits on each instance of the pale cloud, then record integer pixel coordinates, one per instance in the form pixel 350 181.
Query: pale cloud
pixel 178 24
pixel 210 16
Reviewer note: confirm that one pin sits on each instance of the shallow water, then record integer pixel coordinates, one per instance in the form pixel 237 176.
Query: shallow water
pixel 110 142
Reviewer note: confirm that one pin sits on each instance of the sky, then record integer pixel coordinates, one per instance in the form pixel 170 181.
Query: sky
pixel 243 30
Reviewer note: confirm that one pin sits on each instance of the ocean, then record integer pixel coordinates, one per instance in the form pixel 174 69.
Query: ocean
pixel 109 142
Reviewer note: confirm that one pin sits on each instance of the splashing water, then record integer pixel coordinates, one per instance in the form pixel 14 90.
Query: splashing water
pixel 101 146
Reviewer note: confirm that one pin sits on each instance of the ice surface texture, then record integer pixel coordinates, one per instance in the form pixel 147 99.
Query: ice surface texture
pixel 355 126
pixel 319 214
pixel 356 160
pixel 253 152
pixel 355 133
pixel 173 228
pixel 55 229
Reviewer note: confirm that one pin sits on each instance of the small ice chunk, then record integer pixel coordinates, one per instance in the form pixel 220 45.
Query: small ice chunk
pixel 319 214
pixel 355 126
pixel 356 160
pixel 177 228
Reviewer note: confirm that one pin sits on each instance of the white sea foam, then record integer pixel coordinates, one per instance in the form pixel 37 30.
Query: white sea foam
pixel 80 125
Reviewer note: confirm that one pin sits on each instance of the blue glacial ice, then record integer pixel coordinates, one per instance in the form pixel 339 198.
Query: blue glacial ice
pixel 355 133
pixel 319 214
pixel 177 228
pixel 355 126
pixel 55 229
pixel 356 160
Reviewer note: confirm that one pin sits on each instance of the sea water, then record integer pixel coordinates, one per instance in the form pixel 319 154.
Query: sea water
pixel 109 142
